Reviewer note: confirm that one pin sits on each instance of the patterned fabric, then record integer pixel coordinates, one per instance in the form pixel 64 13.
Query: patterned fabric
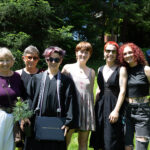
pixel 86 99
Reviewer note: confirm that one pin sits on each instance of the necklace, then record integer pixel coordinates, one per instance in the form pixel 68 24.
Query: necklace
pixel 8 81
pixel 7 84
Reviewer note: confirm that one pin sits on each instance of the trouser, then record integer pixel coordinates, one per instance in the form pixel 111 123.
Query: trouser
pixel 141 145
pixel 6 131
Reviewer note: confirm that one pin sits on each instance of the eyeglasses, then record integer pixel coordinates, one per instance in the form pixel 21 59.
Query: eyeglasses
pixel 30 57
pixel 51 59
pixel 109 51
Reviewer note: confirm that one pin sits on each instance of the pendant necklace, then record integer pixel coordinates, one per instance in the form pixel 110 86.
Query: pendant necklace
pixel 8 81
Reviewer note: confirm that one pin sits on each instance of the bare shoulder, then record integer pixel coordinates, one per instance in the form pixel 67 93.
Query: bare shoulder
pixel 147 71
pixel 19 71
pixel 123 70
pixel 93 72
pixel 67 68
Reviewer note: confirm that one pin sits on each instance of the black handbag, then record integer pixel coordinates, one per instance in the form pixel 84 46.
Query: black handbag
pixel 48 128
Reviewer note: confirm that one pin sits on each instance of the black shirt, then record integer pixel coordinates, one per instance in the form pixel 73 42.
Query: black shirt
pixel 137 84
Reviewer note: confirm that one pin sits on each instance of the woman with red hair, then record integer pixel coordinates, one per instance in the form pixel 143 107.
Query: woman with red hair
pixel 138 109
pixel 111 80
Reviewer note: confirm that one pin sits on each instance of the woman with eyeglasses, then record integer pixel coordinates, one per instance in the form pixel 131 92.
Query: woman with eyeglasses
pixel 138 109
pixel 111 80
pixel 83 77
pixel 10 88
pixel 49 107
pixel 30 58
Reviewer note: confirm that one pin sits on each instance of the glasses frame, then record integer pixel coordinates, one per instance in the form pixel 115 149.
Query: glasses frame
pixel 35 58
pixel 51 59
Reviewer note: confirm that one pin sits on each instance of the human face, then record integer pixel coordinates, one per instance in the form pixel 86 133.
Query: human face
pixel 128 55
pixel 31 60
pixel 54 61
pixel 110 53
pixel 82 56
pixel 6 63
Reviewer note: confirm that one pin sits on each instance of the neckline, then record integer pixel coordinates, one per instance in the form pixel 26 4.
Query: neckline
pixel 7 76
pixel 110 75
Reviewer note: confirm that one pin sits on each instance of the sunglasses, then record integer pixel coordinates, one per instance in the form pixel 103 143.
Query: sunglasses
pixel 109 51
pixel 30 57
pixel 51 59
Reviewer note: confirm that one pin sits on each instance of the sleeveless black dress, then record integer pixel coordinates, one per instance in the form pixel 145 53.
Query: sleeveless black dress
pixel 107 136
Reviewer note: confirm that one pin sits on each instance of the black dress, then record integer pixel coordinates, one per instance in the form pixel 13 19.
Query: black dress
pixel 69 107
pixel 107 136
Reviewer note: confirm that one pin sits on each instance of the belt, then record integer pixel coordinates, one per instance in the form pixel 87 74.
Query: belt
pixel 6 109
pixel 137 99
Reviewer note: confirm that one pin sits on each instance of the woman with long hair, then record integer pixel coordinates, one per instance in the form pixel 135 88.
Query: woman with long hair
pixel 138 109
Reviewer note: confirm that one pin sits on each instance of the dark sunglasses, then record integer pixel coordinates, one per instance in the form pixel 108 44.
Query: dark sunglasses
pixel 109 51
pixel 51 59
pixel 30 57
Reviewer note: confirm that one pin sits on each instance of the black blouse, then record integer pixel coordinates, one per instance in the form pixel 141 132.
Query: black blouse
pixel 137 84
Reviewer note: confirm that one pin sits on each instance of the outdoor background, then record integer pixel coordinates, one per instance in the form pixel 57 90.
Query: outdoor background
pixel 65 23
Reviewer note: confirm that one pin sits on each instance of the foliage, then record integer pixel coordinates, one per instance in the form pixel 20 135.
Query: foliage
pixel 21 110
pixel 14 40
pixel 18 60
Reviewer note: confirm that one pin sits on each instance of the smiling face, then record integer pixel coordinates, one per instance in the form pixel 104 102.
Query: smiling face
pixel 6 62
pixel 128 55
pixel 30 60
pixel 110 53
pixel 82 56
pixel 54 61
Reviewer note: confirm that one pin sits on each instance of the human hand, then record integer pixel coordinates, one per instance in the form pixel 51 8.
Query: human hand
pixel 113 117
pixel 65 128
pixel 24 122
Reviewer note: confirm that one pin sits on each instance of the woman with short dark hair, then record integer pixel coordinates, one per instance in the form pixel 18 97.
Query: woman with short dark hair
pixel 49 107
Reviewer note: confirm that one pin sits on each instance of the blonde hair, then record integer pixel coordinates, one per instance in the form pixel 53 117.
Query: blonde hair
pixel 4 51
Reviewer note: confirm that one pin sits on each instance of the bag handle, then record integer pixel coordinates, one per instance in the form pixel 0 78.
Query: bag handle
pixel 42 87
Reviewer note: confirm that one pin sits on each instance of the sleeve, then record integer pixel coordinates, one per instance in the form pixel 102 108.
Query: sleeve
pixel 72 107
pixel 33 92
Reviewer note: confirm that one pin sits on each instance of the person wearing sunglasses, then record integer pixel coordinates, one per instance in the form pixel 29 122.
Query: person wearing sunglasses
pixel 111 81
pixel 30 58
pixel 68 103
pixel 83 77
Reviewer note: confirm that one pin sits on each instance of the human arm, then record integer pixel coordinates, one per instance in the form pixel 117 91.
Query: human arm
pixel 147 73
pixel 65 70
pixel 114 115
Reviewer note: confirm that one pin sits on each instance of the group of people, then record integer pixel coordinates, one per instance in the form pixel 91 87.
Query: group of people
pixel 122 106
